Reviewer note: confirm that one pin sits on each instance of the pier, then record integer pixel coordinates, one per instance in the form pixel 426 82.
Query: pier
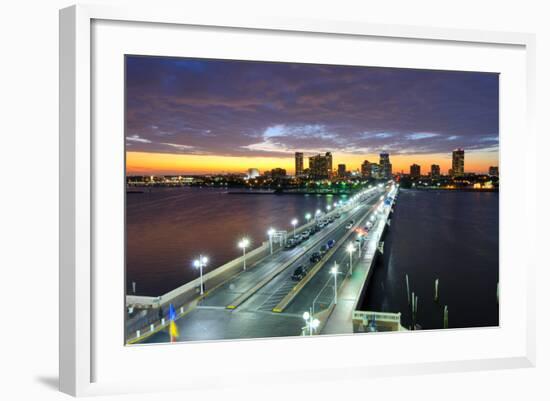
pixel 266 300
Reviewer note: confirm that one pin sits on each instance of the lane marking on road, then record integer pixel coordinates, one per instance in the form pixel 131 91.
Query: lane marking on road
pixel 271 275
pixel 296 290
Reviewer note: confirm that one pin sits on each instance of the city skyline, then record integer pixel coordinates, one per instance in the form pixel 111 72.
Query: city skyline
pixel 291 166
pixel 191 116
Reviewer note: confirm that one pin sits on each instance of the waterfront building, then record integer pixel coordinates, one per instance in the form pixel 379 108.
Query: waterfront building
pixel 415 171
pixel 341 170
pixel 278 173
pixel 298 164
pixel 493 171
pixel 450 172
pixel 385 166
pixel 252 173
pixel 320 167
pixel 375 171
pixel 458 162
pixel 435 171
pixel 328 157
pixel 365 169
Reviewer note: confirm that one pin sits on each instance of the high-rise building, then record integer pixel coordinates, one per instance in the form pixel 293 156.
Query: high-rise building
pixel 320 167
pixel 252 173
pixel 342 170
pixel 375 171
pixel 458 163
pixel 385 166
pixel 328 157
pixel 493 171
pixel 450 172
pixel 298 164
pixel 435 171
pixel 415 171
pixel 365 169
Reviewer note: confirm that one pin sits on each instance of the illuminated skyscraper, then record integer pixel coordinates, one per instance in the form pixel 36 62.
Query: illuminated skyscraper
pixel 320 167
pixel 341 170
pixel 458 163
pixel 328 157
pixel 415 171
pixel 298 164
pixel 375 171
pixel 435 171
pixel 365 169
pixel 385 166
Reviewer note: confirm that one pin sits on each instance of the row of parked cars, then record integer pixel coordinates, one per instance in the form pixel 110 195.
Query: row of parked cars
pixel 304 235
pixel 301 271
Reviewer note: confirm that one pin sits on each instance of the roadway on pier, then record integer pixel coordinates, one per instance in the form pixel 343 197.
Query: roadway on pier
pixel 254 318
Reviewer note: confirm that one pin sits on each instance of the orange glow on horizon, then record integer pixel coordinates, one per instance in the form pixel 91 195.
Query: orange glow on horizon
pixel 138 163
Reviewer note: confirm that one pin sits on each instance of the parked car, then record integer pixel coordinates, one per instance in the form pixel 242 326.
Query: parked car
pixel 299 273
pixel 323 249
pixel 330 243
pixel 368 225
pixel 349 226
pixel 290 243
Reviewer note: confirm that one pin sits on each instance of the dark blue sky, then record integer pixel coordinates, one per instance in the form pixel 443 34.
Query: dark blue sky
pixel 238 108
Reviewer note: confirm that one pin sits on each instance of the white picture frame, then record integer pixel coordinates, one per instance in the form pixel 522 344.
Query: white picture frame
pixel 78 317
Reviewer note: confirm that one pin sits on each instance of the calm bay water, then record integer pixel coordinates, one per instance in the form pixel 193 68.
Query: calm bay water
pixel 450 235
pixel 169 227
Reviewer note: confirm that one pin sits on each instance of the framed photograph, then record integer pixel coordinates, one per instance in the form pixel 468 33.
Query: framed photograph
pixel 306 199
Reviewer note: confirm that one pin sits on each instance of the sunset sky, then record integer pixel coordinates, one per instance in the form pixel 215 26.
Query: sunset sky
pixel 195 116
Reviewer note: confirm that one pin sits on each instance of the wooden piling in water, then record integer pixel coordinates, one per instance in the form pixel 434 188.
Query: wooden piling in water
pixel 408 292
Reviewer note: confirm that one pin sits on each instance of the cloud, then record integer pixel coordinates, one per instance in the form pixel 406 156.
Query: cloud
pixel 236 108
pixel 421 135
pixel 488 139
pixel 136 138
pixel 178 146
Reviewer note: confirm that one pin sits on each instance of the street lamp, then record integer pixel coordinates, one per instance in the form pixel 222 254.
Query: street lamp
pixel 311 322
pixel 200 263
pixel 361 238
pixel 270 233
pixel 328 208
pixel 243 244
pixel 317 213
pixel 334 271
pixel 350 249
pixel 308 217
pixel 294 222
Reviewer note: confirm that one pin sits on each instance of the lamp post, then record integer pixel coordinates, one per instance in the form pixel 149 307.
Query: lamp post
pixel 311 322
pixel 243 244
pixel 334 271
pixel 200 263
pixel 350 249
pixel 294 222
pixel 308 217
pixel 328 208
pixel 270 233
